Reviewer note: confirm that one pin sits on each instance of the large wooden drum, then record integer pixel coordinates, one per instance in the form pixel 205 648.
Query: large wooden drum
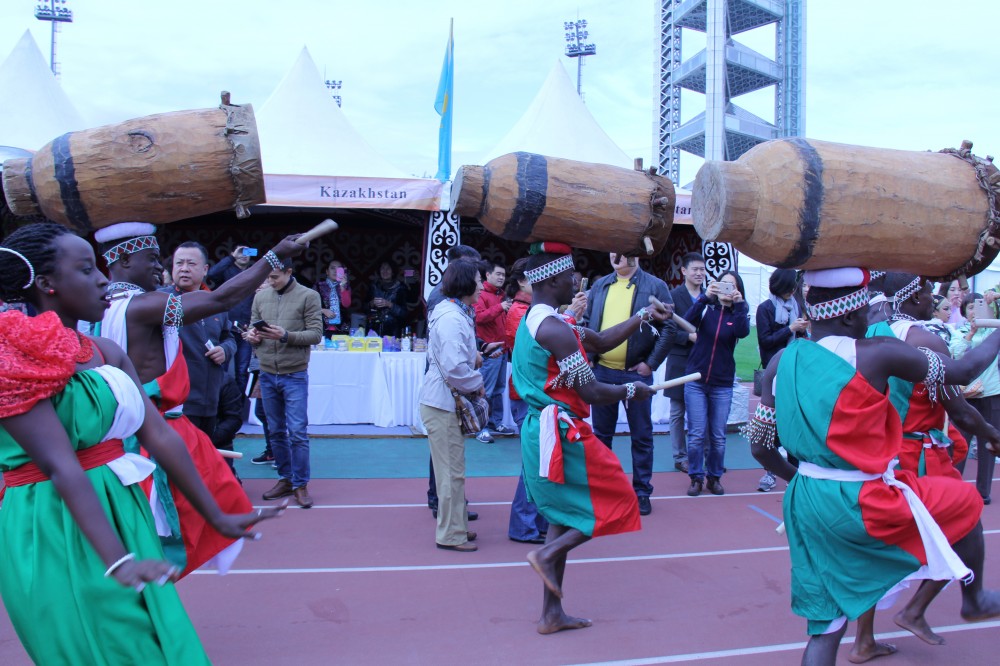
pixel 158 169
pixel 528 197
pixel 798 203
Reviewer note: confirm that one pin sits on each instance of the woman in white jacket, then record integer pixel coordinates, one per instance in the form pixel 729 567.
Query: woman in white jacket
pixel 454 360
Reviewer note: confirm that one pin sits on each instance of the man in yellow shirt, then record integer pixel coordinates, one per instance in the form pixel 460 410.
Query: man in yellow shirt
pixel 613 299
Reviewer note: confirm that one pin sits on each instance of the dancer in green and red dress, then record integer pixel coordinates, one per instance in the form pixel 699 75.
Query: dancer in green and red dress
pixel 82 574
pixel 845 507
pixel 576 482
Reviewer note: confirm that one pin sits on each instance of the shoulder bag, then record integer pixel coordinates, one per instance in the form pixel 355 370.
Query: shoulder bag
pixel 472 410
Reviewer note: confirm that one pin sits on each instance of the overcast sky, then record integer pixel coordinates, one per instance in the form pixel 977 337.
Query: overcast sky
pixel 910 74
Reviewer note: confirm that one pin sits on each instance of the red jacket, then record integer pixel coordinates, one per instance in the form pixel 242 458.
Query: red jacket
pixel 515 314
pixel 490 315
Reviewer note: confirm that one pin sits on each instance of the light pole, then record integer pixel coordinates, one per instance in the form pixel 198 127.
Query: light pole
pixel 55 12
pixel 576 33
pixel 334 85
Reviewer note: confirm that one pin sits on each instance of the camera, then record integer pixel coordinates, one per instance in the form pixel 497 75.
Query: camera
pixel 249 252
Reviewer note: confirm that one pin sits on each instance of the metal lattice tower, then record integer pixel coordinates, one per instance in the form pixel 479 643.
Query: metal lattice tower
pixel 726 69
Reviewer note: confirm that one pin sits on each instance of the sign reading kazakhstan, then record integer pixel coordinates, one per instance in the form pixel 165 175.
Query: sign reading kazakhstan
pixel 352 192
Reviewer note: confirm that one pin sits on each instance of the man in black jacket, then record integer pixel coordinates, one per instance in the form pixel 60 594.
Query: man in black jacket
pixel 693 270
pixel 613 299
pixel 226 269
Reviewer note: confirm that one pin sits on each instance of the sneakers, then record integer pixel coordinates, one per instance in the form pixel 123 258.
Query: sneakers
pixel 645 508
pixel 696 487
pixel 503 431
pixel 265 458
pixel 283 488
pixel 767 482
pixel 485 437
pixel 715 487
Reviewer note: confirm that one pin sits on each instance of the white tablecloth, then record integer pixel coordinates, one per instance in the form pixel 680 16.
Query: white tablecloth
pixel 364 387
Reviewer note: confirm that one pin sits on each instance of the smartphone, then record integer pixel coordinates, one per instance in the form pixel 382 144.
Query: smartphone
pixel 340 273
pixel 982 309
pixel 409 272
pixel 725 288
pixel 249 252
pixel 584 283
pixel 209 345
pixel 260 325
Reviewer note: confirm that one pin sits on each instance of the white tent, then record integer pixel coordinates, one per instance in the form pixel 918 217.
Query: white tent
pixel 558 124
pixel 33 107
pixel 312 156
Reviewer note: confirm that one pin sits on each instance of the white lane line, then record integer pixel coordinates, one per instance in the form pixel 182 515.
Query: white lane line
pixel 496 565
pixel 779 647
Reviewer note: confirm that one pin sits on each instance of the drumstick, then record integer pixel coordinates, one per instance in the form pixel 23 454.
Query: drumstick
pixel 670 383
pixel 225 453
pixel 687 326
pixel 321 229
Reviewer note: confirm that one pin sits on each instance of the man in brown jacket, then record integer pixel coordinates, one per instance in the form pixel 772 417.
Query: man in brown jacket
pixel 287 320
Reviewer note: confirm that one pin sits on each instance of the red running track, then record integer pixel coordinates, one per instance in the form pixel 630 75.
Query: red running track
pixel 357 580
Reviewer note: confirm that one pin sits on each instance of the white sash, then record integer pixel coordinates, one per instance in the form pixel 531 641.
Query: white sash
pixel 942 562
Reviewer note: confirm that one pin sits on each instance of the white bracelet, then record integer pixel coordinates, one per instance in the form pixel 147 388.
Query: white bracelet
pixel 123 560
pixel 629 391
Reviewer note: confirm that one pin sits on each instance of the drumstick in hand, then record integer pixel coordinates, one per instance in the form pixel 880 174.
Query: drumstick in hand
pixel 670 383
pixel 321 229
pixel 687 326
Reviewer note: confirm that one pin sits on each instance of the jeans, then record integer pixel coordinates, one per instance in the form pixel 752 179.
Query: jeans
pixel 707 413
pixel 494 372
pixel 677 437
pixel 989 407
pixel 525 522
pixel 285 402
pixel 640 426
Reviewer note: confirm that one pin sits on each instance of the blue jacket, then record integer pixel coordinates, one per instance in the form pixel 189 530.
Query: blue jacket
pixel 718 330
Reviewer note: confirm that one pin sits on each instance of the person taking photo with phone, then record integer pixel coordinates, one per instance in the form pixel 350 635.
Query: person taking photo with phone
pixel 335 297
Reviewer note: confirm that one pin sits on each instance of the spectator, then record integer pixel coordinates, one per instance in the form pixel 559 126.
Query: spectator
pixel 526 524
pixel 721 317
pixel 294 323
pixel 226 269
pixel 779 321
pixel 453 359
pixel 207 343
pixel 452 255
pixel 939 320
pixel 616 298
pixel 491 313
pixel 229 420
pixel 266 457
pixel 335 297
pixel 693 270
pixel 983 393
pixel 388 303
pixel 954 293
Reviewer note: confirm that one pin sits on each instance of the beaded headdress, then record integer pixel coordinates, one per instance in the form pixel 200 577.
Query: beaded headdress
pixel 135 237
pixel 554 267
pixel 833 278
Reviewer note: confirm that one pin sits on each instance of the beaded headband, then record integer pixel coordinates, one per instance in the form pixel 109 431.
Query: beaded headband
pixel 838 306
pixel 554 267
pixel 131 246
pixel 907 292
pixel 31 269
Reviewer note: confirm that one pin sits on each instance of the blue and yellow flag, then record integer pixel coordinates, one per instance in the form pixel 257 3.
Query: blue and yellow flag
pixel 443 105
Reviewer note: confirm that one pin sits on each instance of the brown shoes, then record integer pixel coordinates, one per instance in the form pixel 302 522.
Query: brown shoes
pixel 283 488
pixel 302 497
pixel 467 547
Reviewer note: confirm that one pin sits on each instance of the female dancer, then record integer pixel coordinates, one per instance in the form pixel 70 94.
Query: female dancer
pixel 75 524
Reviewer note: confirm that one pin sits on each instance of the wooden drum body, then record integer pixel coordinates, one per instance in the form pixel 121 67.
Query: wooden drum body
pixel 528 197
pixel 158 169
pixel 797 203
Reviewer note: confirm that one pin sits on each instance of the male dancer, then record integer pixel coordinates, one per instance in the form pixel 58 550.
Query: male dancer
pixel 145 323
pixel 578 486
pixel 845 507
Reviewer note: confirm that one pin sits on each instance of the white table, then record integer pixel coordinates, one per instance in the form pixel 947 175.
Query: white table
pixel 364 387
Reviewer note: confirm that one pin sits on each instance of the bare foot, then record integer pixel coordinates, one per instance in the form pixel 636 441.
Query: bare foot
pixel 545 569
pixel 919 628
pixel 561 623
pixel 985 606
pixel 860 654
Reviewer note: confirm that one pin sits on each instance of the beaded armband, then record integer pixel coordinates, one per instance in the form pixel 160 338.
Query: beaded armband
pixel 272 259
pixel 574 371
pixel 762 428
pixel 644 317
pixel 173 314
pixel 581 331
pixel 934 380
pixel 629 391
